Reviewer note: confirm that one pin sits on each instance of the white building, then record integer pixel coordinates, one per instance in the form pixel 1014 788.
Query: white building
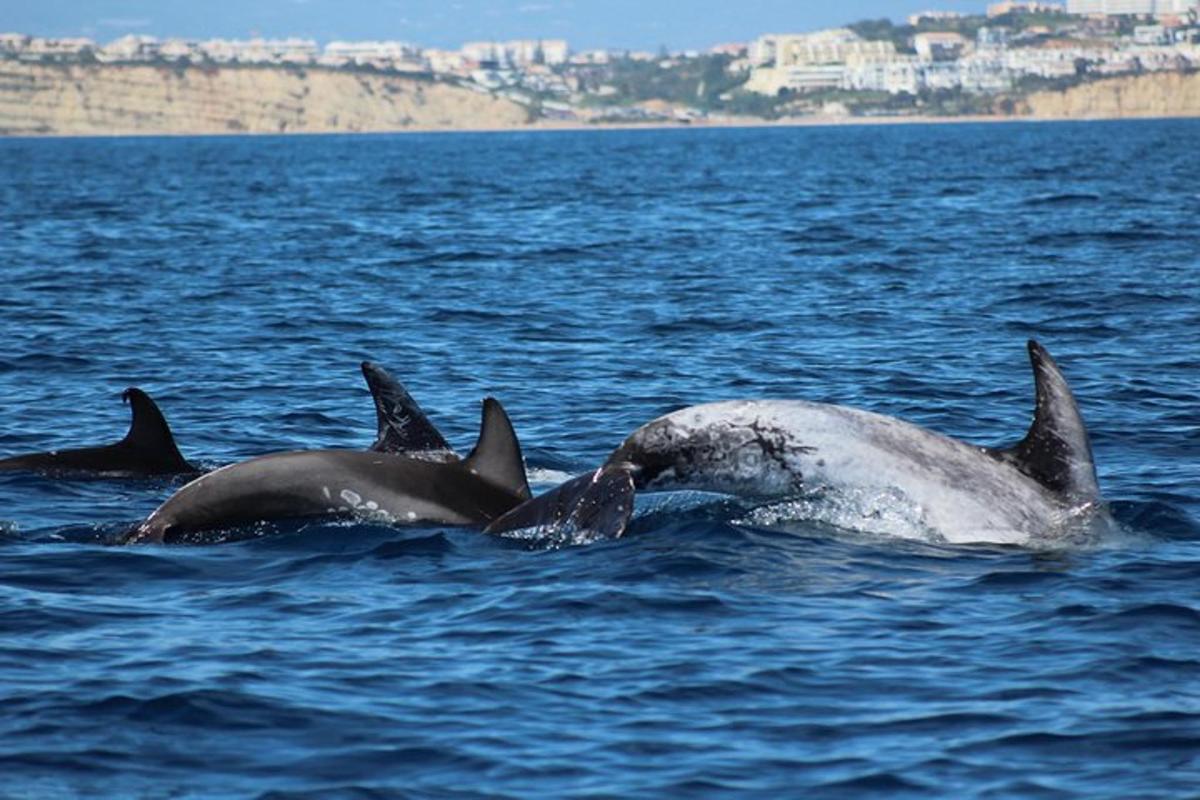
pixel 833 46
pixel 259 51
pixel 11 43
pixel 382 54
pixel 180 49
pixel 37 48
pixel 811 61
pixel 518 52
pixel 984 73
pixel 592 57
pixel 932 16
pixel 939 46
pixel 1139 7
pixel 1017 7
pixel 897 76
pixel 445 61
pixel 130 48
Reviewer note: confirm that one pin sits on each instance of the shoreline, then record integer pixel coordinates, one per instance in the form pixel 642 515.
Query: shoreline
pixel 552 126
pixel 137 101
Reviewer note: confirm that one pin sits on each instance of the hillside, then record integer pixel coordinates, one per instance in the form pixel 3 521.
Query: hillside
pixel 80 99
pixel 1163 94
pixel 92 99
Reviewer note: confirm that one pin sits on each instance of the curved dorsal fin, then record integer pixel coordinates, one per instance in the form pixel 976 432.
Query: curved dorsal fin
pixel 402 425
pixel 497 455
pixel 1056 451
pixel 149 433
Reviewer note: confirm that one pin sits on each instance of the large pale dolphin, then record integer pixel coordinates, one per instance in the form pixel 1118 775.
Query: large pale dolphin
pixel 960 492
pixel 486 484
pixel 147 449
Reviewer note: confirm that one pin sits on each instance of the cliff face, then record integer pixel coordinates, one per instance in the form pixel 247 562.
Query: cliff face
pixel 1163 94
pixel 111 99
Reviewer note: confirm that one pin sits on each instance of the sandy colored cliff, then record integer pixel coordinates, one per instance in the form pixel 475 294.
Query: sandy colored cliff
pixel 113 99
pixel 76 99
pixel 1162 94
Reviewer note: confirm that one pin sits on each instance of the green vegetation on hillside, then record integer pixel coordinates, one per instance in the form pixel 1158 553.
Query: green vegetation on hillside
pixel 968 27
pixel 696 82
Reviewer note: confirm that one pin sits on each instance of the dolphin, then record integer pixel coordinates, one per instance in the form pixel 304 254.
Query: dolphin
pixel 402 426
pixel 476 490
pixel 147 449
pixel 877 465
pixel 597 505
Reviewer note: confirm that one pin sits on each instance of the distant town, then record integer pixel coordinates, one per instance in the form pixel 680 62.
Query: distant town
pixel 938 62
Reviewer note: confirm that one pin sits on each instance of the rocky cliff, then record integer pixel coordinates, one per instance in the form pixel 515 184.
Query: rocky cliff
pixel 110 99
pixel 1163 94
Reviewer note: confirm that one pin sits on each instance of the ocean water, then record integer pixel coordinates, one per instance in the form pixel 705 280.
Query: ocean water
pixel 593 281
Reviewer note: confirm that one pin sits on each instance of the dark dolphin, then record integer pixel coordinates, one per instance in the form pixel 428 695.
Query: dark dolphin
pixel 402 426
pixel 474 491
pixel 147 449
pixel 597 505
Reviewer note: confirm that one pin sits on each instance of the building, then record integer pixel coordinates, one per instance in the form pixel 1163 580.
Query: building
pixel 932 16
pixel 1151 35
pixel 731 49
pixel 260 51
pixel 446 62
pixel 1112 8
pixel 1002 9
pixel 991 39
pixel 130 48
pixel 13 43
pixel 834 46
pixel 517 53
pixel 381 54
pixel 939 46
pixel 180 50
pixel 810 61
pixel 38 49
pixel 897 76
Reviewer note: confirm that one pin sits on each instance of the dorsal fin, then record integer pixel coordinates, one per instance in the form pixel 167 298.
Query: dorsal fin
pixel 150 435
pixel 497 455
pixel 402 425
pixel 1055 452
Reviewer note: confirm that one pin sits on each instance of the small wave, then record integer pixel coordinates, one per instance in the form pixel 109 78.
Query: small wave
pixel 1164 614
pixel 468 315
pixel 310 418
pixel 434 545
pixel 1157 519
pixel 1075 238
pixel 886 784
pixel 1064 199
pixel 539 476
pixel 887 513
pixel 707 325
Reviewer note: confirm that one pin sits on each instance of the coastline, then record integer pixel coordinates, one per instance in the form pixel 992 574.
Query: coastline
pixel 127 101
pixel 553 126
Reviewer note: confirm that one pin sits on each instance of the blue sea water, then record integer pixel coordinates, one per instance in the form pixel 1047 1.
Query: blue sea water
pixel 593 281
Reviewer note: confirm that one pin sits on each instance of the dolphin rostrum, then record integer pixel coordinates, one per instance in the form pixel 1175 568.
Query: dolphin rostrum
pixel 476 490
pixel 147 449
pixel 878 465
